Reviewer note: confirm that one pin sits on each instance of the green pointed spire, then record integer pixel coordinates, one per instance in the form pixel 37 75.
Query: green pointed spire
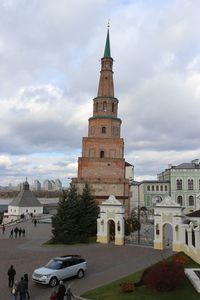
pixel 107 46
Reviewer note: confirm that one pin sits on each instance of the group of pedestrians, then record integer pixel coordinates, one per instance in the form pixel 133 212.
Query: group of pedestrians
pixel 61 293
pixel 17 232
pixel 18 288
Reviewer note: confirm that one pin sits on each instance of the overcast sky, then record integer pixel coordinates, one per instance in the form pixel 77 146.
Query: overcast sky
pixel 50 53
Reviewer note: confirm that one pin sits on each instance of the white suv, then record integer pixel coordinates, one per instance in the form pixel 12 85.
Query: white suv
pixel 60 268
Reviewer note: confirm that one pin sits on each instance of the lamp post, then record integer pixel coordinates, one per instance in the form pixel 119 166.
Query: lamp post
pixel 138 215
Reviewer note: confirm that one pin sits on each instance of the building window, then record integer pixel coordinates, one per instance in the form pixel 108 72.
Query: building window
pixel 186 237
pixel 104 106
pixel 113 107
pixel 199 184
pixel 157 188
pixel 152 187
pixel 161 188
pixel 148 187
pixel 190 184
pixel 96 106
pixel 180 200
pixel 103 129
pixel 165 187
pixel 179 184
pixel 101 154
pixel 191 201
pixel 193 238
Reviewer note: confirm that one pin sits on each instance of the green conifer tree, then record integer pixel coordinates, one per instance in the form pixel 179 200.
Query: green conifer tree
pixel 89 213
pixel 66 222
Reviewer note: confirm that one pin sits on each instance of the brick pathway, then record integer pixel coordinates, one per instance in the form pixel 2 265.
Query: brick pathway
pixel 105 262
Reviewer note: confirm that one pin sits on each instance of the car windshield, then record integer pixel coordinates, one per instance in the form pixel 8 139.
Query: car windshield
pixel 54 264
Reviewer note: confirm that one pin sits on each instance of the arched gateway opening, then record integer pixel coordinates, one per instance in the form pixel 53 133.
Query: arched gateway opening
pixel 167 236
pixel 111 230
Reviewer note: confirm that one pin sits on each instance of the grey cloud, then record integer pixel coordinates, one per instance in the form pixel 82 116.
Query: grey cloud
pixel 50 70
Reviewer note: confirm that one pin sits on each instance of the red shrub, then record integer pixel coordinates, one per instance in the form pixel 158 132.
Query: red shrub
pixel 181 258
pixel 164 276
pixel 127 287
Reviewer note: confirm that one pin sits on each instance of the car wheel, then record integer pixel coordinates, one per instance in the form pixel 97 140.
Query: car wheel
pixel 80 274
pixel 53 282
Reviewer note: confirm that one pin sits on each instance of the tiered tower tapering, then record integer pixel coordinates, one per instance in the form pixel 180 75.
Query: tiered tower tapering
pixel 102 164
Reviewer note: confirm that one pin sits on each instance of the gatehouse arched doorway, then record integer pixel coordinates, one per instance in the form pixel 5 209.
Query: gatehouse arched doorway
pixel 111 230
pixel 168 216
pixel 167 236
pixel 110 224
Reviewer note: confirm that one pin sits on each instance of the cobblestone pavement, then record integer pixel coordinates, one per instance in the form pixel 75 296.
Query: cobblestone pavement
pixel 106 263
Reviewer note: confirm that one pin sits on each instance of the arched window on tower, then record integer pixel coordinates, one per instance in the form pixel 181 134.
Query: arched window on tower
pixel 96 106
pixel 103 129
pixel 101 154
pixel 104 106
pixel 113 107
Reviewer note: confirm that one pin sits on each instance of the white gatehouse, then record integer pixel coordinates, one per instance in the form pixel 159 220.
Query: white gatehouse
pixel 110 224
pixel 168 216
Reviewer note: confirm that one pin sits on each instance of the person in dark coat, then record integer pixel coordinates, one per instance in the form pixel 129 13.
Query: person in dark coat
pixel 22 289
pixel 20 232
pixel 11 233
pixel 61 291
pixel 16 231
pixel 3 228
pixel 23 232
pixel 26 280
pixel 11 276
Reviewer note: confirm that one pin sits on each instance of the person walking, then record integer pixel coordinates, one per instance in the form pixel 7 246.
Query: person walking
pixel 69 294
pixel 23 232
pixel 3 228
pixel 53 296
pixel 35 222
pixel 22 289
pixel 16 231
pixel 20 232
pixel 61 291
pixel 26 281
pixel 14 290
pixel 11 276
pixel 11 233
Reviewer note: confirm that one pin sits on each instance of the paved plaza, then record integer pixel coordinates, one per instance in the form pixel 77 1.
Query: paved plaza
pixel 106 263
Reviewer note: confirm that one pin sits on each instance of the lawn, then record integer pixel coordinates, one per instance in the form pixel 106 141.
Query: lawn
pixel 112 291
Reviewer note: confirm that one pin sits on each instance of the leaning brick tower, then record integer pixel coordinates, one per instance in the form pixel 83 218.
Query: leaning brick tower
pixel 102 164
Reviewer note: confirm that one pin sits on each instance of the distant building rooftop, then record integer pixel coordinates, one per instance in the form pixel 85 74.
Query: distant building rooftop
pixel 25 198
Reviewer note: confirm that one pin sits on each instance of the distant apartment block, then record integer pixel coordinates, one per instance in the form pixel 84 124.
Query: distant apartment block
pixel 36 185
pixel 52 185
